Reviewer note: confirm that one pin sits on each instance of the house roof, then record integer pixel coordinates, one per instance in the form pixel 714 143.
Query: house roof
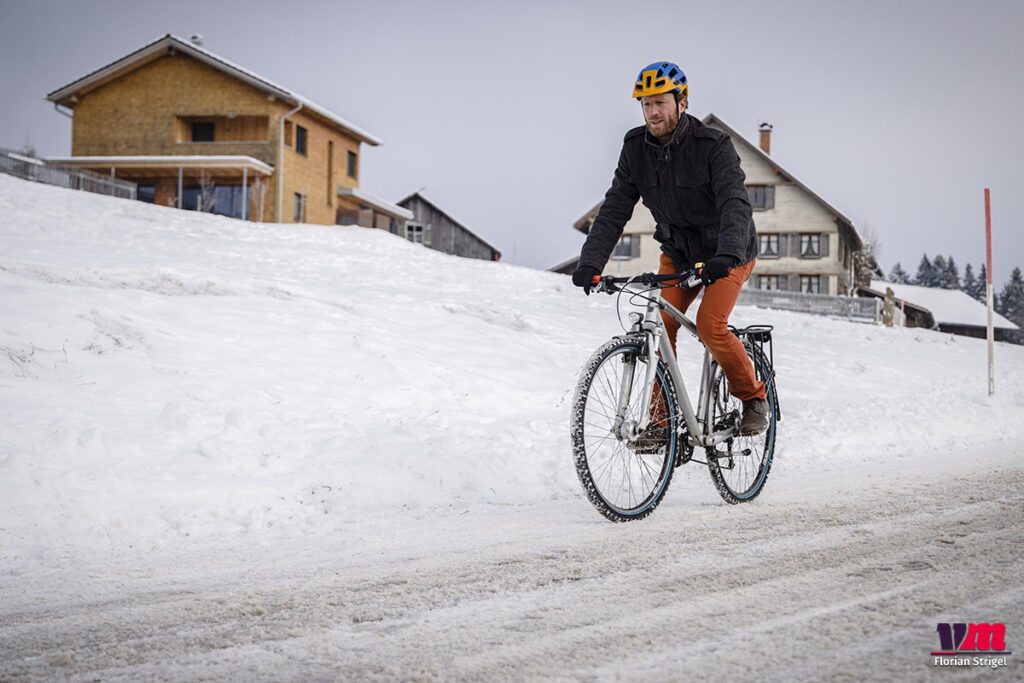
pixel 949 306
pixel 160 46
pixel 419 193
pixel 586 220
pixel 564 265
pixel 756 149
pixel 379 204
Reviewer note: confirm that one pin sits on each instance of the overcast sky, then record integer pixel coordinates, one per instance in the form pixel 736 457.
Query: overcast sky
pixel 511 115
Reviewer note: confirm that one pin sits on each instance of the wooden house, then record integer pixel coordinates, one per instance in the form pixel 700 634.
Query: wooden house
pixel 197 131
pixel 436 229
pixel 805 244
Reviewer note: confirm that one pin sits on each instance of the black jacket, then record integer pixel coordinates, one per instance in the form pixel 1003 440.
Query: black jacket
pixel 694 188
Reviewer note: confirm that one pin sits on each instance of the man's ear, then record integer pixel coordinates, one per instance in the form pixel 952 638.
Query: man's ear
pixel 682 105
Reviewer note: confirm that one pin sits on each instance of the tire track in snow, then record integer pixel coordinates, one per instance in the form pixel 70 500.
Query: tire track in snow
pixel 848 589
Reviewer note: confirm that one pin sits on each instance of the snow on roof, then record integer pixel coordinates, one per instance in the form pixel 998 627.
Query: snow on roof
pixel 167 160
pixel 385 206
pixel 951 306
pixel 215 60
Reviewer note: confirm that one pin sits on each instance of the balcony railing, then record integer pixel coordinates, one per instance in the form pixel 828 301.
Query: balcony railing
pixel 16 164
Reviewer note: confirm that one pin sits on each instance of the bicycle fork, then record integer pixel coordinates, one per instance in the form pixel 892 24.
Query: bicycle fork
pixel 629 430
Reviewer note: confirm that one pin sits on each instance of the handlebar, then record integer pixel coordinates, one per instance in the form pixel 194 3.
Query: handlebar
pixel 610 284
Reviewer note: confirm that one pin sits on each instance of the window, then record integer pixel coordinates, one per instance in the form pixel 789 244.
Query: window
pixel 225 128
pixel 810 284
pixel 202 131
pixel 418 234
pixel 758 195
pixel 353 159
pixel 347 216
pixel 300 208
pixel 226 199
pixel 768 282
pixel 627 247
pixel 146 193
pixel 810 244
pixel 300 139
pixel 769 245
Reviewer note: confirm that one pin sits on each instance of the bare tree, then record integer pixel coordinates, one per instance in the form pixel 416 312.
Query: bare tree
pixel 257 195
pixel 28 149
pixel 865 261
pixel 207 192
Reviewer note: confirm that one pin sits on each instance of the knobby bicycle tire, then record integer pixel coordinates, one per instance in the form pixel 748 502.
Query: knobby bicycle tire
pixel 742 458
pixel 623 482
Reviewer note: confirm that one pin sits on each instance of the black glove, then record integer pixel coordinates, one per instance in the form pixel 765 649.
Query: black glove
pixel 584 277
pixel 716 268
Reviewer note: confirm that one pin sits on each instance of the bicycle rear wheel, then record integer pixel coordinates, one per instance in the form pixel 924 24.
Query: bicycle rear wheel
pixel 624 478
pixel 739 467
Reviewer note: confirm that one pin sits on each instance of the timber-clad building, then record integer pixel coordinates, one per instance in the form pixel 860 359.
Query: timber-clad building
pixel 196 131
pixel 434 228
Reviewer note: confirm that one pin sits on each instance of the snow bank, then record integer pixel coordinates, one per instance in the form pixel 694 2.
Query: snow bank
pixel 166 374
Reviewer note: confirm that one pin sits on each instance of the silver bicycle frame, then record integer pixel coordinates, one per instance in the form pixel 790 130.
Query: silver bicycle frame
pixel 654 330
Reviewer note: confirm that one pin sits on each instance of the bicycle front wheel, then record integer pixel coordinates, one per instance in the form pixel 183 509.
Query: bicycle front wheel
pixel 624 475
pixel 739 466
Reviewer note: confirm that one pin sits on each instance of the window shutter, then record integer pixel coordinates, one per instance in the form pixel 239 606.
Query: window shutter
pixel 769 197
pixel 823 284
pixel 794 244
pixel 794 283
pixel 783 245
pixel 428 229
pixel 823 241
pixel 634 245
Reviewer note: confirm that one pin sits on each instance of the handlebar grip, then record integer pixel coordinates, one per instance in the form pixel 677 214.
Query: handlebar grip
pixel 595 280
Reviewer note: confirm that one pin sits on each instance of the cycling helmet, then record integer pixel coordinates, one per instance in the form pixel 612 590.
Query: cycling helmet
pixel 660 77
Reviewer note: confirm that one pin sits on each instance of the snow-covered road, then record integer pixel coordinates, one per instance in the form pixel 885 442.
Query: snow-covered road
pixel 844 580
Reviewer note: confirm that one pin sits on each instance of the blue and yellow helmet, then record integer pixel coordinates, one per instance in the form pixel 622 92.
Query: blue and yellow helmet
pixel 660 77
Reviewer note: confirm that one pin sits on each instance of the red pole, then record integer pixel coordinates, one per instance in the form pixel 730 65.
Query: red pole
pixel 988 237
pixel 988 294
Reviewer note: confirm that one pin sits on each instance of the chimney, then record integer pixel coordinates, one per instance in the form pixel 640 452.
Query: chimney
pixel 766 138
pixel 196 39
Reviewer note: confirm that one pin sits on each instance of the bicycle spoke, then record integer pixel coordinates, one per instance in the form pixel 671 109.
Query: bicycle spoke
pixel 620 480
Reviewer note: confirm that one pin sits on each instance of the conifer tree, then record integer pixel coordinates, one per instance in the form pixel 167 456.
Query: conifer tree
pixel 925 273
pixel 898 276
pixel 1011 305
pixel 939 272
pixel 970 285
pixel 952 278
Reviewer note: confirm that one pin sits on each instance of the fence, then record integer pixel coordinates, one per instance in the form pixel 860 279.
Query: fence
pixel 850 307
pixel 29 168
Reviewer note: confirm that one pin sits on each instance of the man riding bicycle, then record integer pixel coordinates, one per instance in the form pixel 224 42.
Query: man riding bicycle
pixel 689 176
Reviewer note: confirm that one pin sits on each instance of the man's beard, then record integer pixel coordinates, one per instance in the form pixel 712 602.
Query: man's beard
pixel 668 126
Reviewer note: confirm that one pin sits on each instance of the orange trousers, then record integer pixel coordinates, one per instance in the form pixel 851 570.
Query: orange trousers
pixel 712 326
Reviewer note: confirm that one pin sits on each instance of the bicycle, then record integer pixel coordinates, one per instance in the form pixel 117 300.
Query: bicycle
pixel 632 421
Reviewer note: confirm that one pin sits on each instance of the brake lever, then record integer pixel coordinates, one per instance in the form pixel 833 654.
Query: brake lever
pixel 693 281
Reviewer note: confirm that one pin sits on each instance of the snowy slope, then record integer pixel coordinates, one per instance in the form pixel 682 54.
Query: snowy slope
pixel 171 381
pixel 165 372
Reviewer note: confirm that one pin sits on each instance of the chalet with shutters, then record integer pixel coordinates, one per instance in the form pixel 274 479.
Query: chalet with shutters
pixel 196 131
pixel 805 244
pixel 433 228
